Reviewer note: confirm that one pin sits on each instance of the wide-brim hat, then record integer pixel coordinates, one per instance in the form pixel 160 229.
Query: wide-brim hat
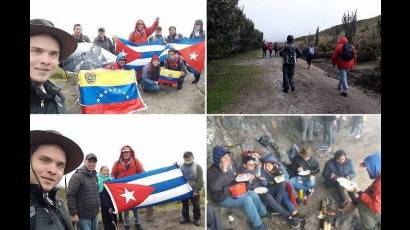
pixel 67 42
pixel 73 152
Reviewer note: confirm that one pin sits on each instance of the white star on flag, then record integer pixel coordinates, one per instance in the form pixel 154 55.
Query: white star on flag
pixel 193 56
pixel 101 95
pixel 105 92
pixel 122 52
pixel 128 195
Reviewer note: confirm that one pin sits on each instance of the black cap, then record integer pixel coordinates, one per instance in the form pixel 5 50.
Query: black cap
pixel 188 154
pixel 91 156
pixel 101 29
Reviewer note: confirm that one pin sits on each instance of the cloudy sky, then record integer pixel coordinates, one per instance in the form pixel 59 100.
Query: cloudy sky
pixel 278 18
pixel 119 17
pixel 158 140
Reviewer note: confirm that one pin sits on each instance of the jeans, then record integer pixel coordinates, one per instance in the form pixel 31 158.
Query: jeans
pixel 127 219
pixel 343 80
pixel 306 184
pixel 274 198
pixel 368 219
pixel 88 224
pixel 287 203
pixel 250 204
pixel 329 133
pixel 150 87
pixel 307 129
pixel 196 208
pixel 288 72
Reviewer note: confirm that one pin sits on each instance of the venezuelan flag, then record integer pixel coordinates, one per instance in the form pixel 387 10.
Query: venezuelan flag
pixel 167 76
pixel 109 91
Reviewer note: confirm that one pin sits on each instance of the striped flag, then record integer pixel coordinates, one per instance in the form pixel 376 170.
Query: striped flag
pixel 109 91
pixel 151 188
pixel 138 55
pixel 167 76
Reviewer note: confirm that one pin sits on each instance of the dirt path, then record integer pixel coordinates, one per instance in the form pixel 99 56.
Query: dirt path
pixel 316 93
pixel 356 150
pixel 190 100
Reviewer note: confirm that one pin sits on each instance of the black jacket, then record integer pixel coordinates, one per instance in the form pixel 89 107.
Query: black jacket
pixel 42 103
pixel 47 217
pixel 83 197
pixel 312 164
pixel 219 183
pixel 105 43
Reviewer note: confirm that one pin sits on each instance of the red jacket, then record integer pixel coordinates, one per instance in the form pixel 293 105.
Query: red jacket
pixel 142 36
pixel 270 47
pixel 119 169
pixel 336 59
pixel 372 197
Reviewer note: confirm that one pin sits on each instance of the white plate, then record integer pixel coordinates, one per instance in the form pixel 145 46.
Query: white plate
pixel 305 173
pixel 345 183
pixel 243 177
pixel 279 179
pixel 261 190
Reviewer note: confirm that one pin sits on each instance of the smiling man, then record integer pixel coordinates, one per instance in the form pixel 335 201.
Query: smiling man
pixel 48 46
pixel 51 156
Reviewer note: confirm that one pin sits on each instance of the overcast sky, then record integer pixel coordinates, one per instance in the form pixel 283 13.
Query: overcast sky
pixel 278 18
pixel 158 140
pixel 119 17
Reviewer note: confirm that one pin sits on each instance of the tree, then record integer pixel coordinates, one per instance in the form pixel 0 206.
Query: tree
pixel 317 36
pixel 349 24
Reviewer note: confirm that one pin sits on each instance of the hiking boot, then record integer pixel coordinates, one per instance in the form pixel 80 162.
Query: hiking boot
pixel 183 221
pixel 285 90
pixel 294 223
pixel 195 81
pixel 138 227
pixel 298 216
pixel 344 94
pixel 197 223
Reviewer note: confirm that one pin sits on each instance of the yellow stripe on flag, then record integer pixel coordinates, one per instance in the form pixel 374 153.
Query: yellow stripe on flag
pixel 106 77
pixel 170 73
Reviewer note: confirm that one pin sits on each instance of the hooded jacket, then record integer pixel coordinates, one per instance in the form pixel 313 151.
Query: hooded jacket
pixel 201 32
pixel 372 196
pixel 340 170
pixel 123 168
pixel 270 158
pixel 141 36
pixel 337 60
pixel 83 197
pixel 312 164
pixel 218 186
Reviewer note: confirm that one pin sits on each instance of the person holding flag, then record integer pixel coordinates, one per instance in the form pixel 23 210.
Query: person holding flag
pixel 174 62
pixel 197 32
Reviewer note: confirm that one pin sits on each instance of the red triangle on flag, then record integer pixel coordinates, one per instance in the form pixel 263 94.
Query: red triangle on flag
pixel 126 196
pixel 130 53
pixel 194 56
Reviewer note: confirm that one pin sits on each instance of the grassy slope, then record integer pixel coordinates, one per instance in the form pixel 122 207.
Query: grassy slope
pixel 226 79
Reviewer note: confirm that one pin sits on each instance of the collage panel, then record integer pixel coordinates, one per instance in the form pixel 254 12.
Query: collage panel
pixel 294 172
pixel 298 57
pixel 109 58
pixel 152 166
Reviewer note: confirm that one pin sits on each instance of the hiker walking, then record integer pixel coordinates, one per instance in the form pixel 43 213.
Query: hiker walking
pixel 276 48
pixel 264 48
pixel 344 57
pixel 289 53
pixel 309 54
pixel 270 48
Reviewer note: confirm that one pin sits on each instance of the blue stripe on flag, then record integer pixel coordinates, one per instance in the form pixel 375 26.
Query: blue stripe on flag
pixel 145 174
pixel 168 78
pixel 91 95
pixel 128 43
pixel 169 184
pixel 177 198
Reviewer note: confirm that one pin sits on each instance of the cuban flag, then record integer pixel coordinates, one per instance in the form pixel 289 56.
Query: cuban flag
pixel 104 91
pixel 138 55
pixel 151 188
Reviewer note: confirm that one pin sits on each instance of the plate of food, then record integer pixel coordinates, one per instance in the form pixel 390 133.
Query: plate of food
pixel 346 183
pixel 260 190
pixel 279 179
pixel 243 177
pixel 304 173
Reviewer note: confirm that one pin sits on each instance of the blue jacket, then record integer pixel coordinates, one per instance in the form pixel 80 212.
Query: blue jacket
pixel 271 158
pixel 374 165
pixel 341 170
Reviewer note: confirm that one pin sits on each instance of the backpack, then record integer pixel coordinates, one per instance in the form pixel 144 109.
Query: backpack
pixel 310 51
pixel 347 52
pixel 289 54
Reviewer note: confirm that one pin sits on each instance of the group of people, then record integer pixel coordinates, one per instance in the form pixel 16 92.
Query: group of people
pixel 53 155
pixel 344 57
pixel 50 45
pixel 269 46
pixel 269 186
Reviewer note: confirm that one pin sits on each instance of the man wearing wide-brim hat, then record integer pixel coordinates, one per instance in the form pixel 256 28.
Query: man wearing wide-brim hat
pixel 52 155
pixel 48 46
